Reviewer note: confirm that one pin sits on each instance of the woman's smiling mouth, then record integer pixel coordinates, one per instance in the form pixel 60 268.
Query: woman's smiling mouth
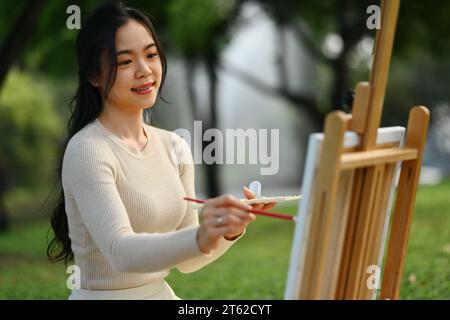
pixel 146 88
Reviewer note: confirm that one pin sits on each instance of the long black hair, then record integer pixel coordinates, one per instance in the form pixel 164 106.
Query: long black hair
pixel 95 47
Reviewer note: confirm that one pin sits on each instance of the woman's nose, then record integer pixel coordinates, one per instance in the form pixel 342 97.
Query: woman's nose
pixel 143 69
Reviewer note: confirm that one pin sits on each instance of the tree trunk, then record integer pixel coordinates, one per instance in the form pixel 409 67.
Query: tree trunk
pixel 281 55
pixel 212 170
pixel 4 217
pixel 189 76
pixel 340 85
pixel 18 35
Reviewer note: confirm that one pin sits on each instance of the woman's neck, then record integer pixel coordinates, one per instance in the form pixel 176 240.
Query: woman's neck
pixel 126 126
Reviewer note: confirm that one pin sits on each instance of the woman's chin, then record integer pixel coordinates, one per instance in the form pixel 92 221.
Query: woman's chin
pixel 145 99
pixel 148 106
pixel 145 103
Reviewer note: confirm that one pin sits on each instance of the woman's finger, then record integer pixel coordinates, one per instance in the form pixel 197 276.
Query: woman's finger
pixel 227 201
pixel 244 215
pixel 211 213
pixel 250 195
pixel 269 206
pixel 258 206
pixel 241 222
pixel 229 217
pixel 236 221
pixel 226 216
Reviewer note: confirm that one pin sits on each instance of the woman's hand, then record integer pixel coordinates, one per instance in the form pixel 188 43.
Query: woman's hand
pixel 223 216
pixel 260 206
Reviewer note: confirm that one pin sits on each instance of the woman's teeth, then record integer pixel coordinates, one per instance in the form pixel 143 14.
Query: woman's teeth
pixel 142 89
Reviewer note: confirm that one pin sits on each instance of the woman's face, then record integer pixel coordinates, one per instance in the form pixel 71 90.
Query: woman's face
pixel 139 69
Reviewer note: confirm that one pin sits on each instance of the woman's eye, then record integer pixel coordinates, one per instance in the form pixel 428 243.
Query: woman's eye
pixel 124 62
pixel 152 55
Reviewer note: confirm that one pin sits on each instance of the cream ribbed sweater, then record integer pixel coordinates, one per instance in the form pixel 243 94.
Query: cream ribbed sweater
pixel 128 222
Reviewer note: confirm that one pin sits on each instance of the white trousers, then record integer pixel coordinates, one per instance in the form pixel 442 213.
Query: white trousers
pixel 159 290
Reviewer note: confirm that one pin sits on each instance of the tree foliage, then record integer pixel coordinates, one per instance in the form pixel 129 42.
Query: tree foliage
pixel 30 129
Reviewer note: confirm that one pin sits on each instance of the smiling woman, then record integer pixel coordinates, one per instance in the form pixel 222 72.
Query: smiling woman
pixel 121 215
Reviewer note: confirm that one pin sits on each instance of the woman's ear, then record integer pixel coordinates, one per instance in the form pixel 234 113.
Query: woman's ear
pixel 95 83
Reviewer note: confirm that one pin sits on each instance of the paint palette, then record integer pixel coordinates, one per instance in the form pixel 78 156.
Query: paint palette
pixel 277 199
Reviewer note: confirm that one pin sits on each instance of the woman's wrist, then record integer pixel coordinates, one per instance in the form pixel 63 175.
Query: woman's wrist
pixel 199 243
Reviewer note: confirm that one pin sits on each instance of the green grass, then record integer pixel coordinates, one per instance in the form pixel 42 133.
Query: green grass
pixel 25 272
pixel 428 256
pixel 254 268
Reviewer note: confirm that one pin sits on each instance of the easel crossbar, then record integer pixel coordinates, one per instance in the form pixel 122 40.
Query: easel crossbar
pixel 361 159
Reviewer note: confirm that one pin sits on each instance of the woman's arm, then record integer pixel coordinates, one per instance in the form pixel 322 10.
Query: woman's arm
pixel 89 177
pixel 187 176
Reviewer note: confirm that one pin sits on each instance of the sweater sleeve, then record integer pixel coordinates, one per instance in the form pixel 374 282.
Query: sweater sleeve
pixel 187 176
pixel 88 176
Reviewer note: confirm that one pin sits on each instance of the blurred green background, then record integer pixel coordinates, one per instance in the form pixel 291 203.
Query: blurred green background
pixel 232 64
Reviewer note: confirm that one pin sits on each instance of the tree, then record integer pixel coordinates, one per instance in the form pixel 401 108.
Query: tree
pixel 199 29
pixel 420 24
pixel 19 33
pixel 28 147
pixel 200 33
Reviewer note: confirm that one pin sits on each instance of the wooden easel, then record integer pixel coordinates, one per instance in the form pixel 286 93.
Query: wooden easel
pixel 346 235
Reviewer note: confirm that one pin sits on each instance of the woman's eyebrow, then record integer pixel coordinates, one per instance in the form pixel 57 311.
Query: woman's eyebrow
pixel 128 51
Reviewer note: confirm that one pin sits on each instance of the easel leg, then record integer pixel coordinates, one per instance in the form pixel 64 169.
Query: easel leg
pixel 404 205
pixel 324 201
pixel 357 270
pixel 376 230
pixel 350 232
